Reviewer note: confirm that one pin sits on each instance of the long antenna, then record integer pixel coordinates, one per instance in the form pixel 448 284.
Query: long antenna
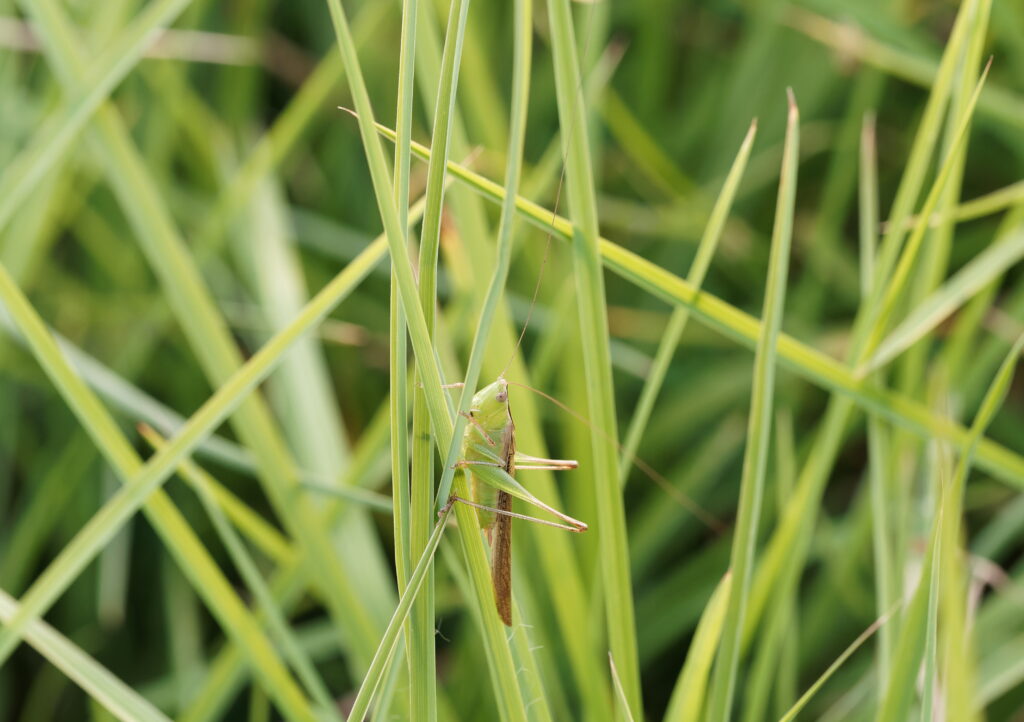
pixel 558 197
pixel 702 514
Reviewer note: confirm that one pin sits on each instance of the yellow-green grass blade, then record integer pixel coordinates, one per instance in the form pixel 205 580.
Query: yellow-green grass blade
pixel 593 319
pixel 555 553
pixel 755 460
pixel 680 316
pixel 878 456
pixel 997 201
pixel 990 264
pixel 687 701
pixel 896 284
pixel 503 672
pixel 49 144
pixel 209 337
pixel 420 679
pixel 114 695
pixel 806 361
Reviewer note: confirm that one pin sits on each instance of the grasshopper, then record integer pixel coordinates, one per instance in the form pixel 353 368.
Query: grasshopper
pixel 490 441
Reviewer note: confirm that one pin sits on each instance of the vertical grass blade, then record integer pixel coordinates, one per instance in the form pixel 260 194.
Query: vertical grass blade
pixel 755 459
pixel 611 527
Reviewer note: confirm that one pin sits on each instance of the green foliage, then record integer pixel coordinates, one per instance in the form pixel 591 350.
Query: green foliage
pixel 808 346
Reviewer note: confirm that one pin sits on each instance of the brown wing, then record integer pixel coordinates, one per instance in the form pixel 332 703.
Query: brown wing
pixel 501 550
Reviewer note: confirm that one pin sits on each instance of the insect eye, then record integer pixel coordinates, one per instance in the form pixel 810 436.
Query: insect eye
pixel 502 397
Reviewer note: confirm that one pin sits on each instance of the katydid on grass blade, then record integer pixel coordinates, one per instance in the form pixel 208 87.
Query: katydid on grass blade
pixel 490 442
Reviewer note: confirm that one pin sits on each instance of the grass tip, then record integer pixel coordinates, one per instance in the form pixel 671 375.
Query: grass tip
pixel 794 112
pixel 351 112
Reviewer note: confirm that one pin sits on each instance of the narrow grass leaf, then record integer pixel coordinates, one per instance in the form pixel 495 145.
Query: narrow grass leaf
pixel 678 320
pixel 755 460
pixel 593 319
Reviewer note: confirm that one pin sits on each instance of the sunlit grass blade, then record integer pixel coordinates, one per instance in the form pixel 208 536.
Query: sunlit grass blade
pixel 204 485
pixel 680 316
pixel 103 429
pixel 196 562
pixel 687 701
pixel 755 460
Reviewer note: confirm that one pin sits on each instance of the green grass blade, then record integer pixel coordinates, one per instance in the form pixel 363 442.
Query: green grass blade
pixel 834 667
pixel 421 497
pixel 499 656
pixel 687 701
pixel 896 285
pixel 156 471
pixel 680 316
pixel 592 306
pixel 206 330
pixel 194 558
pixel 755 460
pixel 911 646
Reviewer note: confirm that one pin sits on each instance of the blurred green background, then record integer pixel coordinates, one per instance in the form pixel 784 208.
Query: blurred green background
pixel 222 157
